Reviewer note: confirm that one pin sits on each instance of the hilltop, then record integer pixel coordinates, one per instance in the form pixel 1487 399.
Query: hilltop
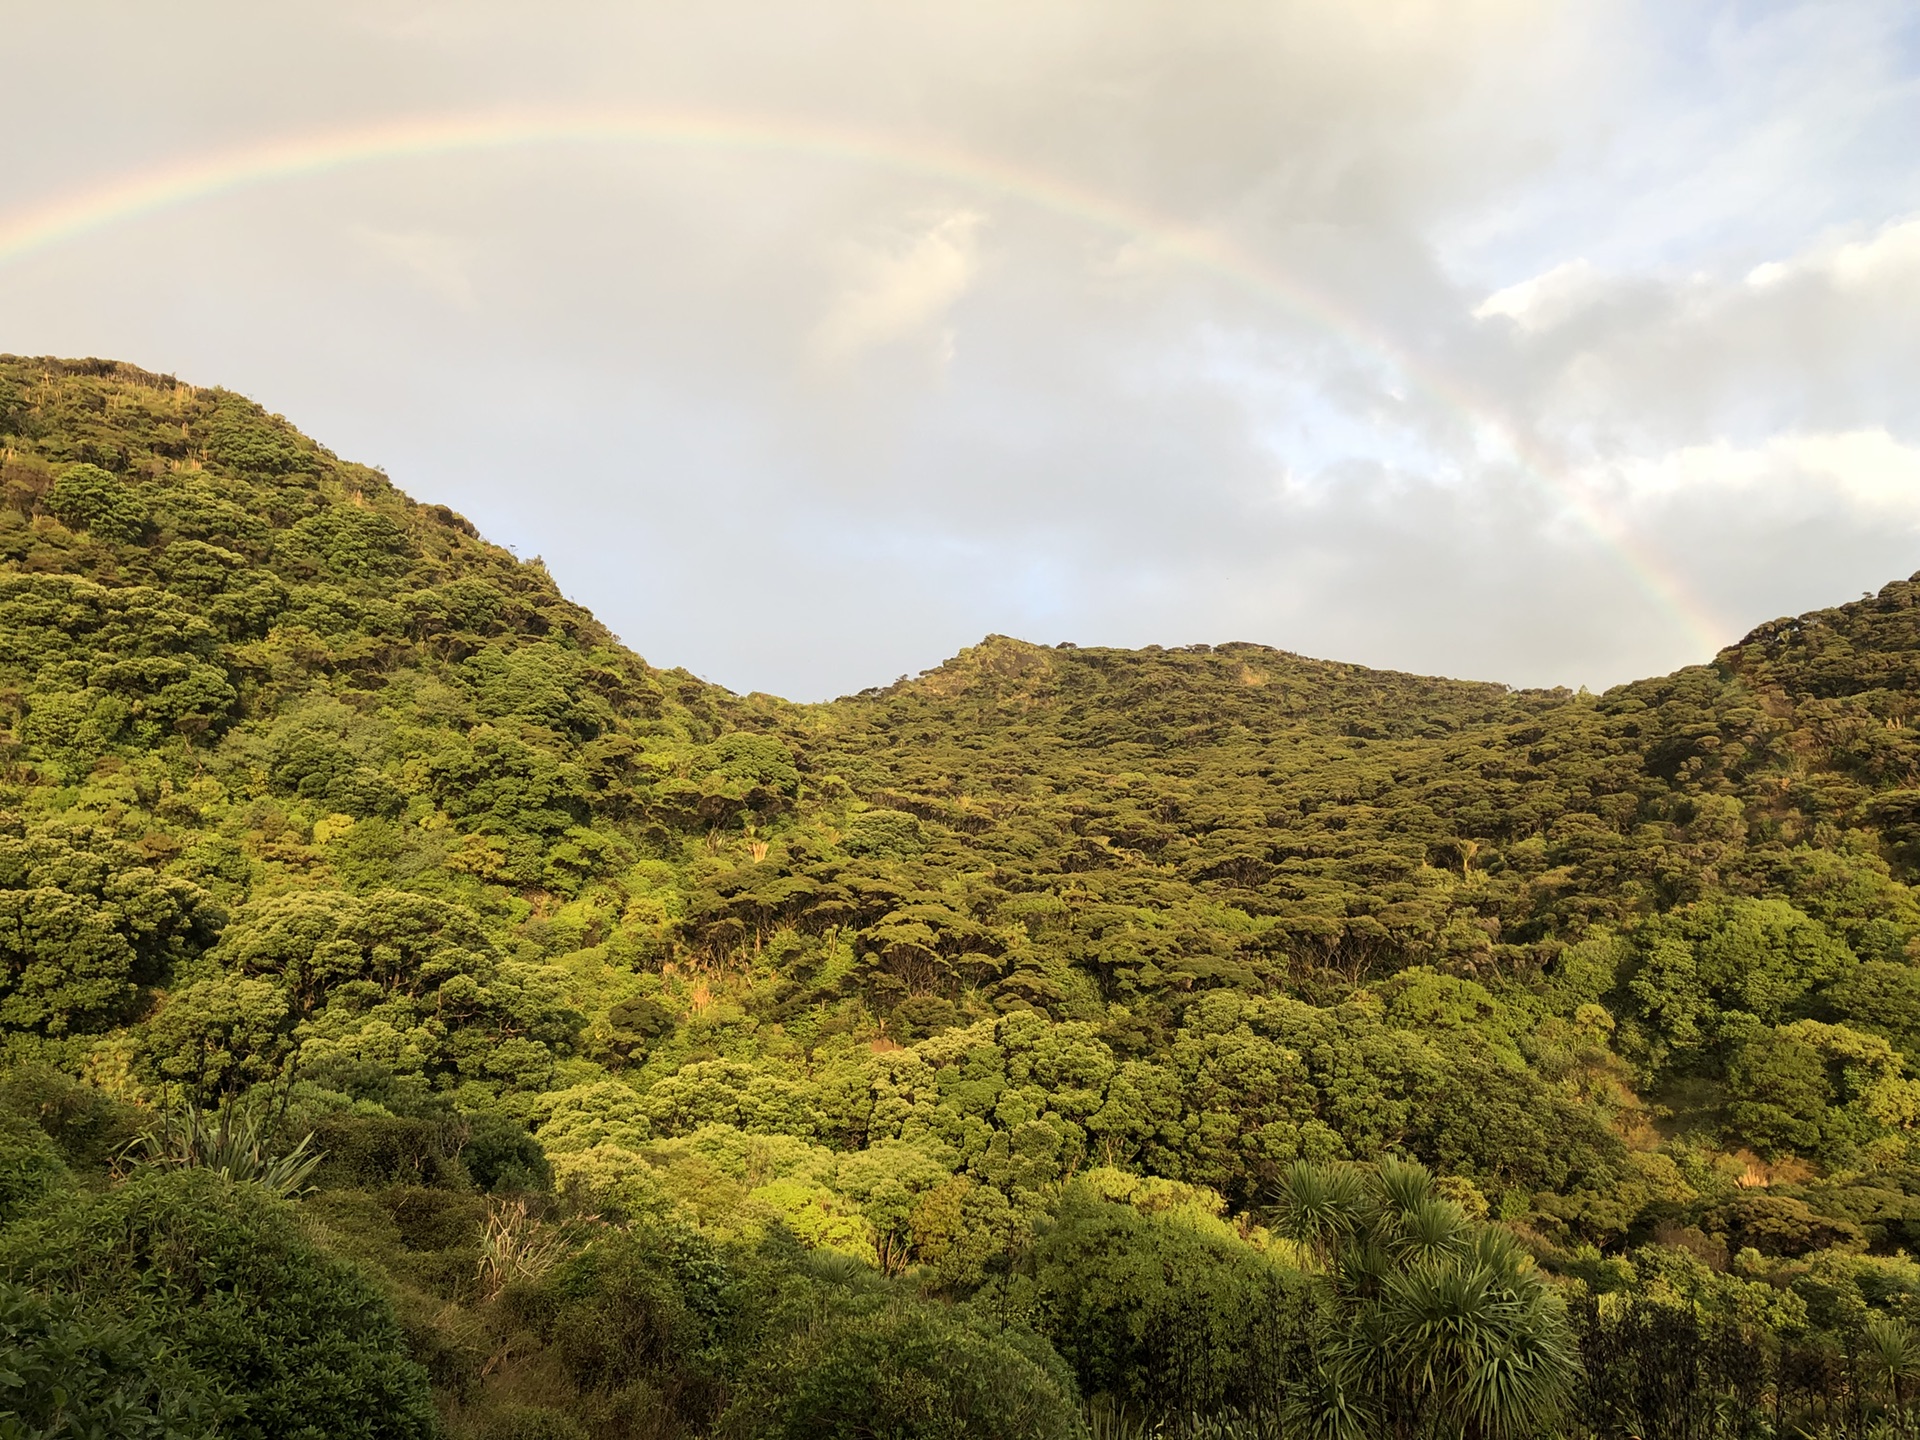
pixel 317 804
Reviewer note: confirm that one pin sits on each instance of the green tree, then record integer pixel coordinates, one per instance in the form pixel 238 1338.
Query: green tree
pixel 1159 1315
pixel 85 497
pixel 1782 1095
pixel 217 1037
pixel 84 927
pixel 1881 997
pixel 914 1372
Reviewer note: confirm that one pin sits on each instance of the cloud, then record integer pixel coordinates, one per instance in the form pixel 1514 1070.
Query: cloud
pixel 1547 299
pixel 903 291
pixel 1823 340
pixel 1799 521
pixel 1452 258
pixel 1890 260
pixel 1866 472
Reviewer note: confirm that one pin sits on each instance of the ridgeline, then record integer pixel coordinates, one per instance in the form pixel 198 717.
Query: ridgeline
pixel 420 1015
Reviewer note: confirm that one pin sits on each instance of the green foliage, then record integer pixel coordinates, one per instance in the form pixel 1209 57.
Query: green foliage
pixel 251 443
pixel 12 406
pixel 106 670
pixel 1159 1314
pixel 88 498
pixel 85 925
pixel 500 1155
pixel 967 1004
pixel 621 1316
pixel 87 1127
pixel 30 1167
pixel 912 1372
pixel 1435 1320
pixel 1881 997
pixel 67 1375
pixel 1761 958
pixel 300 1341
pixel 371 1151
pixel 237 1143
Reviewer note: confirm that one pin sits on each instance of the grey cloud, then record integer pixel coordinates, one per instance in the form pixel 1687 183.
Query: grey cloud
pixel 1825 340
pixel 803 423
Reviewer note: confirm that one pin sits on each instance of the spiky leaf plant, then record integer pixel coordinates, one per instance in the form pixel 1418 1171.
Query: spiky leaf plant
pixel 1439 1323
pixel 238 1141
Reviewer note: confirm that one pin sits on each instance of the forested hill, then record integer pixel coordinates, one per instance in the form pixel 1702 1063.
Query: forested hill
pixel 679 1062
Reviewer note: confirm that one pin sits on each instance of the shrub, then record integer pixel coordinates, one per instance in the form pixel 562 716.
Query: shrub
pixel 501 1156
pixel 1159 1314
pixel 88 1126
pixel 30 1167
pixel 301 1341
pixel 914 1371
pixel 368 1151
pixel 66 1374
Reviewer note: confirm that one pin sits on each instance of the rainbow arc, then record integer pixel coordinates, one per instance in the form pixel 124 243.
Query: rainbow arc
pixel 129 198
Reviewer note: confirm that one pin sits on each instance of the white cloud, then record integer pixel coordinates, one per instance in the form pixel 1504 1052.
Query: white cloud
pixel 1824 340
pixel 1889 260
pixel 1545 300
pixel 903 291
pixel 1865 471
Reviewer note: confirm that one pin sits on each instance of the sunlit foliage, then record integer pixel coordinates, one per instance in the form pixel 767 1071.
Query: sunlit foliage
pixel 1198 1038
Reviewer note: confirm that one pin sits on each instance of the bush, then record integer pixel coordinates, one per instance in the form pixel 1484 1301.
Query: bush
pixel 501 1156
pixel 88 1126
pixel 1158 1314
pixel 69 1375
pixel 301 1341
pixel 914 1371
pixel 30 1167
pixel 618 1312
pixel 369 1151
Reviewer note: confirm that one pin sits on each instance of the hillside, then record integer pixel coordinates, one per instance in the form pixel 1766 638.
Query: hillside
pixel 681 1062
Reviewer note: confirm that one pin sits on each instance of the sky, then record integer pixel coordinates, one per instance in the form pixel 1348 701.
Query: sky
pixel 1557 344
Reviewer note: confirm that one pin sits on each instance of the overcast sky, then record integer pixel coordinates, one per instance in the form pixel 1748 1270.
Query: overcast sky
pixel 1555 344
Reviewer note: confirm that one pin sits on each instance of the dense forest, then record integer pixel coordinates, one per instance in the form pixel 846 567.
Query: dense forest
pixel 421 1017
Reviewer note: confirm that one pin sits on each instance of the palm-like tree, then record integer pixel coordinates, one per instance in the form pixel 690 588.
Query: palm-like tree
pixel 1481 1335
pixel 1320 1205
pixel 1445 1328
pixel 1892 1354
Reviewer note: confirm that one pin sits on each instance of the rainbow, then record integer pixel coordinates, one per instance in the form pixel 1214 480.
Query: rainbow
pixel 129 198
